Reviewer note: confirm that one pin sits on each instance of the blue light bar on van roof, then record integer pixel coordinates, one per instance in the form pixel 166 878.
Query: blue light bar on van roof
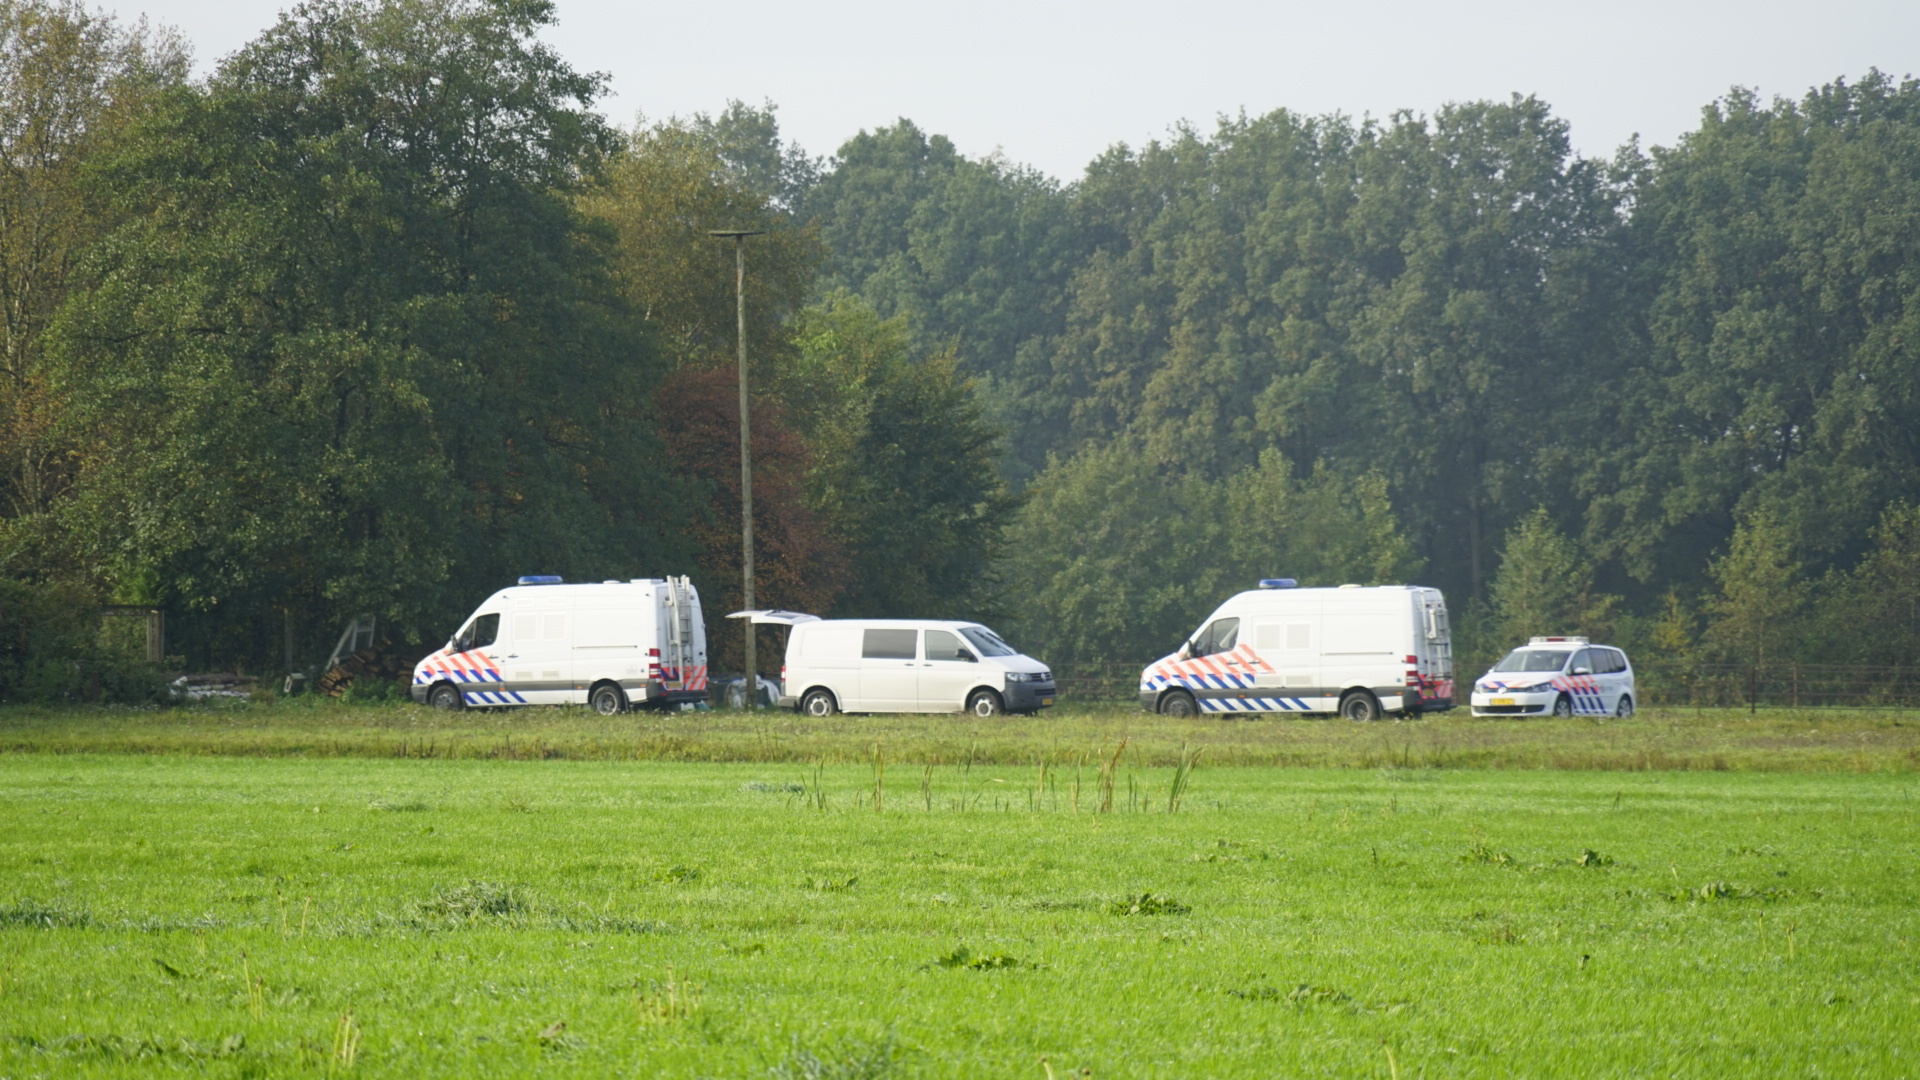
pixel 540 579
pixel 1278 583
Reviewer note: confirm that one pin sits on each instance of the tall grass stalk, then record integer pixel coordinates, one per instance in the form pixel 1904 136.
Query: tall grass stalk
pixel 1107 770
pixel 879 780
pixel 1182 776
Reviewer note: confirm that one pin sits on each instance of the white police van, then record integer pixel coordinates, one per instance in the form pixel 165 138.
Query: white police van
pixel 1352 650
pixel 544 642
pixel 1559 676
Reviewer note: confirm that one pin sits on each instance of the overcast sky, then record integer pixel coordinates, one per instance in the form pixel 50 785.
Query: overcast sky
pixel 1051 84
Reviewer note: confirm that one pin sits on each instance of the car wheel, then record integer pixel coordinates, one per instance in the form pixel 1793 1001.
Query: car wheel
pixel 1563 706
pixel 607 700
pixel 819 703
pixel 446 696
pixel 1178 703
pixel 1360 705
pixel 985 703
pixel 1624 710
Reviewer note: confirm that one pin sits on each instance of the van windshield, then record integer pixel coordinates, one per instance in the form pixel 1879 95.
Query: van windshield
pixel 987 641
pixel 1533 660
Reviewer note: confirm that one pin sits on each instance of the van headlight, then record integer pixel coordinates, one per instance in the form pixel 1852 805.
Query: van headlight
pixel 1020 676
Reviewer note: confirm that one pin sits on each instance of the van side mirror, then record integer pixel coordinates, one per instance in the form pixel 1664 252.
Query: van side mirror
pixel 1186 651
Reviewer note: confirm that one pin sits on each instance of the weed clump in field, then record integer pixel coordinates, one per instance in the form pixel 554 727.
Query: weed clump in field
pixel 1590 857
pixel 963 957
pixel 474 900
pixel 35 915
pixel 850 1061
pixel 1148 904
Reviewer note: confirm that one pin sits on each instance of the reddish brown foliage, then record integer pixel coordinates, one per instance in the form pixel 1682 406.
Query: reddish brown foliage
pixel 796 564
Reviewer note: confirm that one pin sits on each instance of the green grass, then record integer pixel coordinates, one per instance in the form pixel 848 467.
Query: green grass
pixel 227 916
pixel 1673 739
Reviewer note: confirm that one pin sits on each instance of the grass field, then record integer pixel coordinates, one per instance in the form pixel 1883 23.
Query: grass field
pixel 216 915
pixel 1670 739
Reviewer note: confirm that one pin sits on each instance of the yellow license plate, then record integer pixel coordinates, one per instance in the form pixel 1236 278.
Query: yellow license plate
pixel 1046 701
pixel 673 684
pixel 1503 701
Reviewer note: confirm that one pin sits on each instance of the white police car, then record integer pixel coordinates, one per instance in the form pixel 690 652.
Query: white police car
pixel 1561 676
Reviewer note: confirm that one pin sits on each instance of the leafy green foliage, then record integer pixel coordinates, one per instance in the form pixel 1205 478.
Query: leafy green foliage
pixel 349 352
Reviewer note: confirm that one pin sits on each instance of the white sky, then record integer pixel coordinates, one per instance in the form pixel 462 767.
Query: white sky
pixel 1051 84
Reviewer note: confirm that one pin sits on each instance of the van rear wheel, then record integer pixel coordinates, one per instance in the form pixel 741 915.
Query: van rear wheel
pixel 1361 706
pixel 446 696
pixel 985 703
pixel 819 703
pixel 1624 710
pixel 607 700
pixel 1178 703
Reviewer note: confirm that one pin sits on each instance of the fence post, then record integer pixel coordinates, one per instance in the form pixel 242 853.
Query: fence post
pixel 1796 684
pixel 1753 690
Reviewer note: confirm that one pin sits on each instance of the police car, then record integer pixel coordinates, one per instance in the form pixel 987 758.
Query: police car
pixel 1560 676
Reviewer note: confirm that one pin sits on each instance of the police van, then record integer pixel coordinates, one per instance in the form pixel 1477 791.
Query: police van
pixel 1561 676
pixel 1352 650
pixel 543 642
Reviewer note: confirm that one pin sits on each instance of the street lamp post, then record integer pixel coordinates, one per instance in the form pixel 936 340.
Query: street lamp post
pixel 752 684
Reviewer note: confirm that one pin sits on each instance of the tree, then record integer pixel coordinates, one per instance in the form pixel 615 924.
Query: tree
pixel 70 83
pixel 1755 618
pixel 1873 610
pixel 351 350
pixel 797 565
pixel 1545 586
pixel 665 188
pixel 905 469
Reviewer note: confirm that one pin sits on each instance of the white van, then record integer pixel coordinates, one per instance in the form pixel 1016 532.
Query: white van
pixel 903 665
pixel 1349 650
pixel 543 642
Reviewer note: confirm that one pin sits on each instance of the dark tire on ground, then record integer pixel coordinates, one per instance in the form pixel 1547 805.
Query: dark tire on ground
pixel 446 696
pixel 819 703
pixel 1624 710
pixel 1178 703
pixel 1563 706
pixel 985 703
pixel 607 699
pixel 1359 705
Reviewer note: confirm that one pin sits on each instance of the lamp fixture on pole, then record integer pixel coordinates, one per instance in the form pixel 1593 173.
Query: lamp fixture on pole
pixel 752 682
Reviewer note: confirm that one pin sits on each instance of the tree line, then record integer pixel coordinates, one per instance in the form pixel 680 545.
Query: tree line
pixel 383 314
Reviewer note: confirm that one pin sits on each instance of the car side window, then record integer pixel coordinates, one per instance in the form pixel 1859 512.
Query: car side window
pixel 889 644
pixel 1218 638
pixel 479 634
pixel 1619 660
pixel 1582 661
pixel 944 646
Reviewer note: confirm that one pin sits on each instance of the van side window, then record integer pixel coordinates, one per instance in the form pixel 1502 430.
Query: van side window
pixel 482 633
pixel 944 646
pixel 889 644
pixel 1614 659
pixel 1219 637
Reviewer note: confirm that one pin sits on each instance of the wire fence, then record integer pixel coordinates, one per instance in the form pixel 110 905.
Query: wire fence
pixel 1658 683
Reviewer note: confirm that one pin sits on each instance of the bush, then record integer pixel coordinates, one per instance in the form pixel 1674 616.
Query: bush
pixel 52 650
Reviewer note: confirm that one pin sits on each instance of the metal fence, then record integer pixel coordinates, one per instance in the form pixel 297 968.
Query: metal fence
pixel 1659 683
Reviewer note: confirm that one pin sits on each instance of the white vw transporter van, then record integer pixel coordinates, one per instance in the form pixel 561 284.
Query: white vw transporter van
pixel 903 665
pixel 610 645
pixel 1351 650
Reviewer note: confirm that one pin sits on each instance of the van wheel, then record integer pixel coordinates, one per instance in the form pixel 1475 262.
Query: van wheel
pixel 446 696
pixel 985 703
pixel 1178 703
pixel 819 703
pixel 1624 710
pixel 1562 707
pixel 1361 706
pixel 607 700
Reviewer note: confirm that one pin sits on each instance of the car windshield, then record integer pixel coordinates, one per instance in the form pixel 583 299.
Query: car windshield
pixel 987 641
pixel 1533 660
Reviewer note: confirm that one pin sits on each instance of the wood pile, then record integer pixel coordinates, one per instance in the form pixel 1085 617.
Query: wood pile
pixel 378 663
